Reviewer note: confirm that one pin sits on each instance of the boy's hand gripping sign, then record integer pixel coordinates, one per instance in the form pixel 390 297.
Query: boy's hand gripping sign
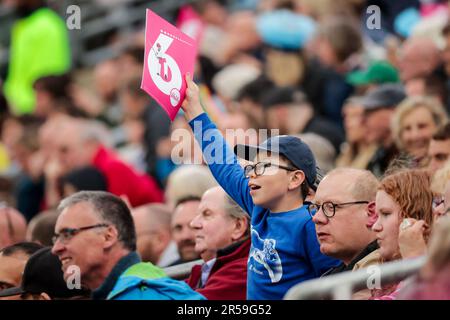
pixel 169 55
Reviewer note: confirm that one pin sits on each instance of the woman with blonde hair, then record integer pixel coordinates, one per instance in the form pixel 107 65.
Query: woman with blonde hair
pixel 415 121
pixel 404 209
pixel 357 151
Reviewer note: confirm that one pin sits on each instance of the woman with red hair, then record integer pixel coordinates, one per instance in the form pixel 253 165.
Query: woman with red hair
pixel 405 216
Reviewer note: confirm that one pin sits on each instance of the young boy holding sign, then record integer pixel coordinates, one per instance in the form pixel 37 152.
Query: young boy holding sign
pixel 284 250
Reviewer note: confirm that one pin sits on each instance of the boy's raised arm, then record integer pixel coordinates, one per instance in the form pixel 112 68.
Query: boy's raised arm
pixel 191 104
pixel 216 152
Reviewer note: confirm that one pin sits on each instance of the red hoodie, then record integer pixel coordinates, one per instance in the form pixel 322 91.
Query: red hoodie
pixel 122 179
pixel 228 277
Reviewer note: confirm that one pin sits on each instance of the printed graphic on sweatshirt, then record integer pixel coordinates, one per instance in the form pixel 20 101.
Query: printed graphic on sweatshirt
pixel 263 252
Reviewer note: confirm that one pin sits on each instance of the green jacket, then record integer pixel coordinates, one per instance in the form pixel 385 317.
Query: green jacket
pixel 39 47
pixel 144 281
pixel 131 279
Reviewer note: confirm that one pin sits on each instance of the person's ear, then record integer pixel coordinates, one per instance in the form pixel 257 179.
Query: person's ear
pixel 44 296
pixel 240 228
pixel 372 215
pixel 296 179
pixel 111 236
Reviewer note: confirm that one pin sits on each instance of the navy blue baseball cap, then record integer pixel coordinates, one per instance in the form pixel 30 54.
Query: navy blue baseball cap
pixel 294 149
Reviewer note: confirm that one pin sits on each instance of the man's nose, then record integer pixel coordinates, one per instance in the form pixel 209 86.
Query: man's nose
pixel 415 133
pixel 186 233
pixel 319 217
pixel 195 223
pixel 57 247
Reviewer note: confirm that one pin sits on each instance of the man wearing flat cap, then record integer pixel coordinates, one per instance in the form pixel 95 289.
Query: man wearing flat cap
pixel 379 107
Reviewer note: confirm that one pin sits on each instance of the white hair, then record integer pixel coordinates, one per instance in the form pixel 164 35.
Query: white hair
pixel 188 181
pixel 233 78
pixel 322 150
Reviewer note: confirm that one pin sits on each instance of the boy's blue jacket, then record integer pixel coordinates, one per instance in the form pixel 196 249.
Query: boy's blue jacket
pixel 284 250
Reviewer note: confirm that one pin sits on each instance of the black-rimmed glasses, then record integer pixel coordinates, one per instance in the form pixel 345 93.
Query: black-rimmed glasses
pixel 329 208
pixel 67 234
pixel 260 167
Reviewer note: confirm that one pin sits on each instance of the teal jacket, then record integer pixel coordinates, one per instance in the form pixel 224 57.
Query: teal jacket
pixel 132 279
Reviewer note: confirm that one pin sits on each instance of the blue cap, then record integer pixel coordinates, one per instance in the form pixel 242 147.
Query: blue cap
pixel 285 29
pixel 290 147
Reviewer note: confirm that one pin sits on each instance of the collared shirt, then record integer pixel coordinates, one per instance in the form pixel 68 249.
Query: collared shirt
pixel 227 279
pixel 207 266
pixel 102 292
pixel 206 270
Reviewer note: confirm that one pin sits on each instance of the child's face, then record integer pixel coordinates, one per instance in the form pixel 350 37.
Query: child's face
pixel 268 189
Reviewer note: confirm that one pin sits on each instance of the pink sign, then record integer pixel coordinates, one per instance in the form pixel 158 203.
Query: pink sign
pixel 169 55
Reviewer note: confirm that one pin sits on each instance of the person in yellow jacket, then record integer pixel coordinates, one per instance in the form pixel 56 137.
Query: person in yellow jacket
pixel 4 158
pixel 39 47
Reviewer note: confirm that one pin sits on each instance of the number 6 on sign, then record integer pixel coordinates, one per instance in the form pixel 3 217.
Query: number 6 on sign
pixel 164 70
pixel 169 54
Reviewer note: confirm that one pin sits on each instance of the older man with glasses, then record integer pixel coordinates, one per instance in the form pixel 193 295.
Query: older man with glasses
pixel 343 211
pixel 96 239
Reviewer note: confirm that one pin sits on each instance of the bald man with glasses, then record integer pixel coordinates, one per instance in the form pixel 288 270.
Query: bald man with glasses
pixel 343 211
